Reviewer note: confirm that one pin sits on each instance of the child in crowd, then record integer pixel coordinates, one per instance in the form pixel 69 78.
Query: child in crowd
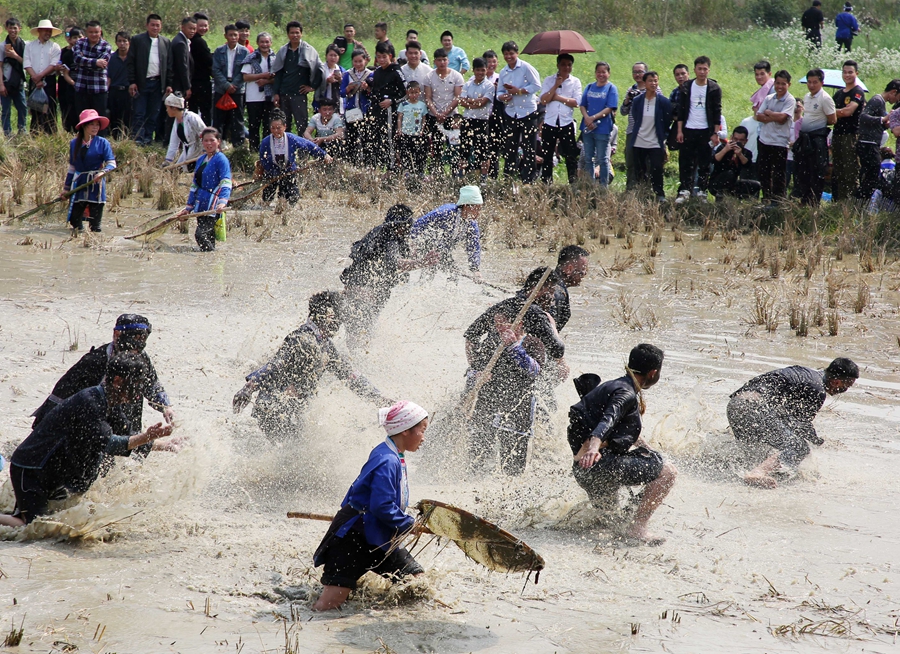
pixel 326 128
pixel 410 121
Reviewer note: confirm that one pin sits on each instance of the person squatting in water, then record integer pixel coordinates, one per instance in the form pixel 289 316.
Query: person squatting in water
pixel 777 409
pixel 291 378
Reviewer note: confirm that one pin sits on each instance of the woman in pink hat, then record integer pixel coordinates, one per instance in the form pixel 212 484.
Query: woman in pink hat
pixel 89 156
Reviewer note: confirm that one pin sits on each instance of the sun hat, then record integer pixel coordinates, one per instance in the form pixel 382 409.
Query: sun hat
pixel 174 100
pixel 469 195
pixel 46 25
pixel 89 116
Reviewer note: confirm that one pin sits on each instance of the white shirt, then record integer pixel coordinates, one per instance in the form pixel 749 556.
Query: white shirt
pixel 774 134
pixel 646 136
pixel 418 74
pixel 255 92
pixel 557 113
pixel 476 91
pixel 230 54
pixel 153 62
pixel 279 146
pixel 697 113
pixel 442 89
pixel 38 56
pixel 816 109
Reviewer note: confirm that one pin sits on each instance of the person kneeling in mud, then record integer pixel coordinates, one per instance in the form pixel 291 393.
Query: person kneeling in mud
pixel 605 437
pixel 777 409
pixel 64 452
pixel 291 378
pixel 364 534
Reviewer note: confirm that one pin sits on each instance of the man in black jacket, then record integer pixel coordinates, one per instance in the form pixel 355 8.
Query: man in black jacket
pixel 149 66
pixel 504 408
pixel 731 161
pixel 812 21
pixel 777 409
pixel 388 89
pixel 129 335
pixel 182 61
pixel 201 78
pixel 65 451
pixel 605 437
pixel 699 116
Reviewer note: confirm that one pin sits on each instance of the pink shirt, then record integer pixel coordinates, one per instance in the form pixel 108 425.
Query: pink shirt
pixel 757 98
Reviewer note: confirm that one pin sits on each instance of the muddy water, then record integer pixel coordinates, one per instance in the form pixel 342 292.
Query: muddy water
pixel 200 555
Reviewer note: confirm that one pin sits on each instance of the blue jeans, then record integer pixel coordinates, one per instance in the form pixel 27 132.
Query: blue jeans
pixel 596 151
pixel 146 112
pixel 14 98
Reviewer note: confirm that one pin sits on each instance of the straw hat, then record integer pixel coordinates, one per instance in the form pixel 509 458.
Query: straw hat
pixel 89 116
pixel 46 25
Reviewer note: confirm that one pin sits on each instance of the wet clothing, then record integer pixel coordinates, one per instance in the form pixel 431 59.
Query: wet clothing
pixel 560 308
pixel 276 163
pixel 65 451
pixel 504 410
pixel 611 412
pixel 371 516
pixel 89 371
pixel 288 381
pixel 777 408
pixel 442 229
pixel 211 183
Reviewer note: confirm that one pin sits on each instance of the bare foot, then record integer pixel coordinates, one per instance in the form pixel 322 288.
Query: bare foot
pixel 760 480
pixel 644 537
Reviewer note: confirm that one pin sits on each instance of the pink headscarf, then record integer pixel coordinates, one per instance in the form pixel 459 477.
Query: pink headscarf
pixel 401 417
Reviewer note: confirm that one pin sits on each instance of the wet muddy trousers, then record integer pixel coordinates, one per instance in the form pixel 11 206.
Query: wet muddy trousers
pixel 93 211
pixel 753 422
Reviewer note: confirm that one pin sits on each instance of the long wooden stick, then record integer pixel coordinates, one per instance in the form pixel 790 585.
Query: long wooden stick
pixel 169 221
pixel 328 518
pixel 61 198
pixel 172 166
pixel 468 402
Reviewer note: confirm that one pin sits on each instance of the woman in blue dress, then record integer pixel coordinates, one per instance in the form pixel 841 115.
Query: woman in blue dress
pixel 363 535
pixel 210 189
pixel 89 156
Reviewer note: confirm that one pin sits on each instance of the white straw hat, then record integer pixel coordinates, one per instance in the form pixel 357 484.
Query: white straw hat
pixel 46 24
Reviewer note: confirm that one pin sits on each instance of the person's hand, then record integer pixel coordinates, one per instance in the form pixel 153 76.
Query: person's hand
pixel 589 458
pixel 158 431
pixel 364 86
pixel 589 123
pixel 101 63
pixel 232 89
pixel 328 159
pixel 3 91
pixel 504 97
pixel 241 399
pixel 562 370
pixel 170 444
pixel 133 90
pixel 680 136
pixel 169 415
pixel 276 99
pixel 221 206
pixel 183 212
pixel 384 104
pixel 612 151
pixel 64 193
pixel 187 94
pixel 305 89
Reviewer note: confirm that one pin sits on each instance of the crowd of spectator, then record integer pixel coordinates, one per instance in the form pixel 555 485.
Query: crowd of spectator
pixel 417 112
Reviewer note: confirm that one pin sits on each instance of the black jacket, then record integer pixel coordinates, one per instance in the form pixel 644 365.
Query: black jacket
pixel 202 56
pixel 182 64
pixel 610 412
pixel 713 103
pixel 89 371
pixel 139 58
pixel 69 445
pixel 560 308
pixel 376 257
pixel 796 389
pixel 386 83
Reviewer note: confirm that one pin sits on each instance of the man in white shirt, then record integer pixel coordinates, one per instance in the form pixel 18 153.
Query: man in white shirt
pixel 443 86
pixel 477 100
pixel 40 60
pixel 561 94
pixel 811 149
pixel 775 115
pixel 699 117
pixel 518 83
pixel 412 36
pixel 415 69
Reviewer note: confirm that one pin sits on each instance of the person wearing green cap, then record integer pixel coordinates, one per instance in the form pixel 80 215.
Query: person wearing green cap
pixel 442 229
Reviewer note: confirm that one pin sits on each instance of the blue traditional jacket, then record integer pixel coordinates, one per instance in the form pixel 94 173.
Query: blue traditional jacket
pixel 90 162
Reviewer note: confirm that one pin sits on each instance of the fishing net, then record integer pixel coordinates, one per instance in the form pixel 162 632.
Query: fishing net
pixel 482 541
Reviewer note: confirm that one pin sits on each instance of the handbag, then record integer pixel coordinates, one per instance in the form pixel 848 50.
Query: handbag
pixel 221 228
pixel 226 102
pixel 38 101
pixel 354 115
